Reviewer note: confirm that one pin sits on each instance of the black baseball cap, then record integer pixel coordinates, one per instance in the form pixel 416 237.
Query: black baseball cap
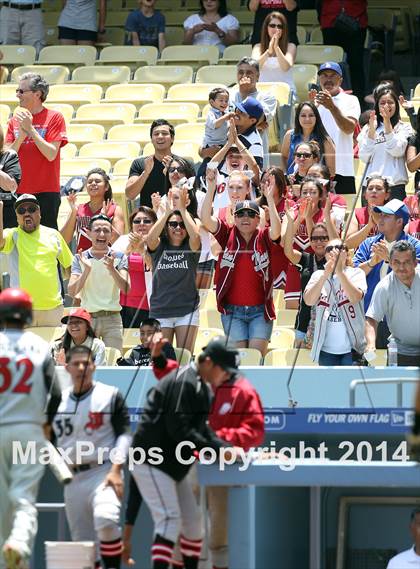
pixel 220 354
pixel 247 204
pixel 24 198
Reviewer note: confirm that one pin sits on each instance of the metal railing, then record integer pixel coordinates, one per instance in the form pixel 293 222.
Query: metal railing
pixel 398 381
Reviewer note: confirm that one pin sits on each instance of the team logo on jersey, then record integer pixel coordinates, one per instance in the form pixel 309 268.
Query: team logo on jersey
pixel 96 420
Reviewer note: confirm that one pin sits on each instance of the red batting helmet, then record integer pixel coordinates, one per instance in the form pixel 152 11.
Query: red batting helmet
pixel 15 304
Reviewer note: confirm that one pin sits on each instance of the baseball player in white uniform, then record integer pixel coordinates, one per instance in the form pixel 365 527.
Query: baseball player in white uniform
pixel 94 416
pixel 29 396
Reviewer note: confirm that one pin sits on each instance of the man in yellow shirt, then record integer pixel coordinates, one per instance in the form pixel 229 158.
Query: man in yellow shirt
pixel 34 251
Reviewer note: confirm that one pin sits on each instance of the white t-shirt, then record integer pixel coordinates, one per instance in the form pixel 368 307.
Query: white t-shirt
pixel 271 72
pixel 405 560
pixel 386 153
pixel 226 24
pixel 336 339
pixel 350 107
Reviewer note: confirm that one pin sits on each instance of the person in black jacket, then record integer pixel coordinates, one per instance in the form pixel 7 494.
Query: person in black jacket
pixel 10 174
pixel 140 354
pixel 176 411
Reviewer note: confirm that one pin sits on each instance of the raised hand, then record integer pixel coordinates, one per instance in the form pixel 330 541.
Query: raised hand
pixel 166 160
pixel 106 204
pixel 84 261
pixel 324 98
pixel 72 201
pixel 108 261
pixel 135 243
pixel 148 165
pixel 156 344
pixel 380 252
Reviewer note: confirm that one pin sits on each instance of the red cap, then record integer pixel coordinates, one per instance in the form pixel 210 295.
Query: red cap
pixel 78 313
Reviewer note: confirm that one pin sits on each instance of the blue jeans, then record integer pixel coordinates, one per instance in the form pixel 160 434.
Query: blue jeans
pixel 326 359
pixel 246 323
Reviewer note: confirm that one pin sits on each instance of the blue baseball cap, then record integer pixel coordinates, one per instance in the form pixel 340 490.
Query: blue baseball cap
pixel 251 107
pixel 394 207
pixel 332 66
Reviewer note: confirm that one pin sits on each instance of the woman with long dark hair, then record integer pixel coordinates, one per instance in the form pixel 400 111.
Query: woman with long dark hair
pixel 135 303
pixel 10 175
pixel 383 142
pixel 363 221
pixel 308 126
pixel 174 245
pixel 337 291
pixel 273 181
pixel 275 54
pixel 98 187
pixel 79 332
pixel 211 26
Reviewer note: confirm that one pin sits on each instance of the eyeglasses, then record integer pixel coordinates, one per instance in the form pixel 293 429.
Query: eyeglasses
pixel 330 248
pixel 278 26
pixel 21 91
pixel 30 209
pixel 247 213
pixel 173 169
pixel 176 224
pixel 303 155
pixel 320 238
pixel 144 221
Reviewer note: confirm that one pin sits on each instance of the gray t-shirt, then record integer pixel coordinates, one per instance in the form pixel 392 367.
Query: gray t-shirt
pixel 401 307
pixel 79 15
pixel 174 292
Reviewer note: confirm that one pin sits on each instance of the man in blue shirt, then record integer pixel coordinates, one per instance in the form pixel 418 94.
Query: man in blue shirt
pixel 146 25
pixel 373 254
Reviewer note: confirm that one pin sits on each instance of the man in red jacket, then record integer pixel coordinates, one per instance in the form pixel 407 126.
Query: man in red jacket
pixel 237 417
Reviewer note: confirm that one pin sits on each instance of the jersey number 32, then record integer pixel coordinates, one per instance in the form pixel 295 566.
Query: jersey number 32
pixel 24 368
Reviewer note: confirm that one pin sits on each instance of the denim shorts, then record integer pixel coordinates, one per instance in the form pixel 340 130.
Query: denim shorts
pixel 246 323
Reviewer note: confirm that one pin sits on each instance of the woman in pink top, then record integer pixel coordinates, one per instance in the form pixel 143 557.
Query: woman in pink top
pixel 363 221
pixel 100 192
pixel 135 304
pixel 413 204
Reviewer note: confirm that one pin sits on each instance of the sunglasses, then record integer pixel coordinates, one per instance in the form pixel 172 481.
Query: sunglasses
pixel 30 209
pixel 143 221
pixel 21 91
pixel 303 155
pixel 176 224
pixel 278 26
pixel 247 213
pixel 173 169
pixel 330 248
pixel 320 238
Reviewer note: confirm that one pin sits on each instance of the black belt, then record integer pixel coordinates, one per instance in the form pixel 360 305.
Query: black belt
pixel 84 467
pixel 22 6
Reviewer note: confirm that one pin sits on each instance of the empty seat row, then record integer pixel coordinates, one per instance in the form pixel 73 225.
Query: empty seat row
pixel 134 56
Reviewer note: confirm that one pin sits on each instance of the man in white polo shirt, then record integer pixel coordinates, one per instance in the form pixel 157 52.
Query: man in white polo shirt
pixel 97 277
pixel 339 113
pixel 409 559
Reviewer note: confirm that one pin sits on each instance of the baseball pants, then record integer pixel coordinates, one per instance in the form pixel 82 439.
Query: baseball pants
pixel 19 488
pixel 172 504
pixel 92 509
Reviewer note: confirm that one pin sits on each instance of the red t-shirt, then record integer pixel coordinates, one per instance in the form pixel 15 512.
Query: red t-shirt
pixel 355 8
pixel 414 228
pixel 84 215
pixel 253 293
pixel 137 297
pixel 362 216
pixel 39 175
